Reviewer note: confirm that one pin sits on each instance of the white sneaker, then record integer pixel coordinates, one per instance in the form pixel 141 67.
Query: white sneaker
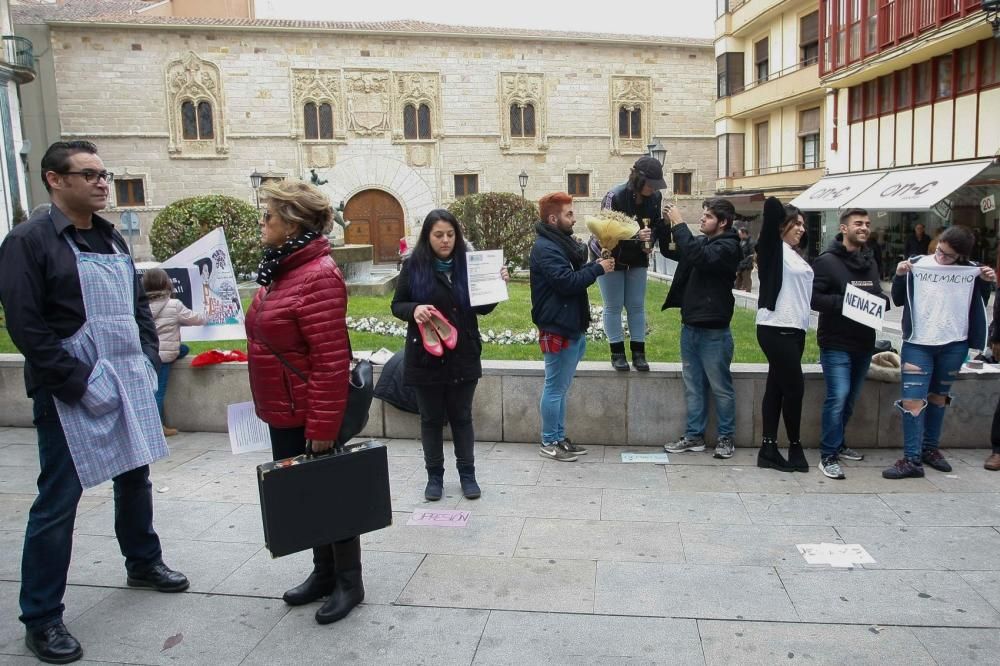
pixel 724 448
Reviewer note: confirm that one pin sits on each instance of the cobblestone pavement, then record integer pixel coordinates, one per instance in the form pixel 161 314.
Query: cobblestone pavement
pixel 592 562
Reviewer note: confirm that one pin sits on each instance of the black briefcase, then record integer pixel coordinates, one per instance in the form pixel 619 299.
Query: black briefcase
pixel 310 501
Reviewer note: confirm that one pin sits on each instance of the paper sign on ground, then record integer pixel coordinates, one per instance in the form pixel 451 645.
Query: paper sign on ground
pixel 655 458
pixel 845 555
pixel 205 282
pixel 485 284
pixel 246 431
pixel 440 518
pixel 863 307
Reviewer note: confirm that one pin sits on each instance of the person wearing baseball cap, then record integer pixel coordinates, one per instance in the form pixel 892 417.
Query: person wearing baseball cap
pixel 625 287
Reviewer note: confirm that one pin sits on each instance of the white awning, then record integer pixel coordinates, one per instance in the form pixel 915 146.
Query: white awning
pixel 834 192
pixel 918 188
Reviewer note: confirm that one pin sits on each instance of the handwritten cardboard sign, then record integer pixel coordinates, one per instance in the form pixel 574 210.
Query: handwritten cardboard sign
pixel 863 307
pixel 439 518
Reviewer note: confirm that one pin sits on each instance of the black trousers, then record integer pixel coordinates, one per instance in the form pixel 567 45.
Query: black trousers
pixel 287 442
pixel 454 402
pixel 783 348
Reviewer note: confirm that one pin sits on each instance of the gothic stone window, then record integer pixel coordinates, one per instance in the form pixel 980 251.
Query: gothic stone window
pixel 318 121
pixel 417 103
pixel 522 120
pixel 317 107
pixel 194 108
pixel 416 122
pixel 522 112
pixel 631 110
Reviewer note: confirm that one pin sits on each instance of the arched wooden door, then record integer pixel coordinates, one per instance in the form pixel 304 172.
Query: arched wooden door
pixel 376 219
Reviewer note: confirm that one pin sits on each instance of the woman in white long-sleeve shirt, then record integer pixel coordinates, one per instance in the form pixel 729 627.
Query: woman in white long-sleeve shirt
pixel 782 321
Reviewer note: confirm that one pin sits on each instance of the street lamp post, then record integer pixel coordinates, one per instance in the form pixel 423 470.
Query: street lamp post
pixel 522 178
pixel 256 178
pixel 657 151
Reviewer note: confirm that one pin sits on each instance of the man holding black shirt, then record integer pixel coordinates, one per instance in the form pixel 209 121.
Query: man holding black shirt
pixel 77 311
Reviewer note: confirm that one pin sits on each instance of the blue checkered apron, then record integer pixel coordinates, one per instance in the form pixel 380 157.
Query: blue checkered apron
pixel 116 426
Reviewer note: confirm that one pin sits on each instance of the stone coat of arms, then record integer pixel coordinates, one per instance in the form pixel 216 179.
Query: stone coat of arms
pixel 368 102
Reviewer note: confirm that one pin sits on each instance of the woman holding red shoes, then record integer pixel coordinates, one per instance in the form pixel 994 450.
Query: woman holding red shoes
pixel 442 346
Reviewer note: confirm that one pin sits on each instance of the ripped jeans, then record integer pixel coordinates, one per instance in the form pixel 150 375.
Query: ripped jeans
pixel 938 366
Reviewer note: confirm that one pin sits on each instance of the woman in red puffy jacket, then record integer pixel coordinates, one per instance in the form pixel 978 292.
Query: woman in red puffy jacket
pixel 300 361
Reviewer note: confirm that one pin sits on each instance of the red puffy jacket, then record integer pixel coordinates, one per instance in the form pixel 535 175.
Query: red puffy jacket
pixel 301 315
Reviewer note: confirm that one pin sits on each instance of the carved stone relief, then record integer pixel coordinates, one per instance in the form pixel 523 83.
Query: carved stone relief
pixel 368 102
pixel 630 93
pixel 416 88
pixel 520 89
pixel 190 79
pixel 318 86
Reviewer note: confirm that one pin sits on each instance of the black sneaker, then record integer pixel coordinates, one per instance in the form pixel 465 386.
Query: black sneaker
pixel 934 458
pixel 568 446
pixel 903 468
pixel 831 467
pixel 847 453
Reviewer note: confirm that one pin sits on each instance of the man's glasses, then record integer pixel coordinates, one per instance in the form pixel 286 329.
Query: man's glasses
pixel 946 255
pixel 90 175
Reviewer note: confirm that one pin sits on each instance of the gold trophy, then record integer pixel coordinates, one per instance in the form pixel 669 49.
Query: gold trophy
pixel 610 227
pixel 647 245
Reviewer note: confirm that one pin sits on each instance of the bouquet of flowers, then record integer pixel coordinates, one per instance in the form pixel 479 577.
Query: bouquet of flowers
pixel 609 227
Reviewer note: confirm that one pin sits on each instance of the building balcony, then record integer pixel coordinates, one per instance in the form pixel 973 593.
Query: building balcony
pixel 789 86
pixel 771 179
pixel 19 58
pixel 746 14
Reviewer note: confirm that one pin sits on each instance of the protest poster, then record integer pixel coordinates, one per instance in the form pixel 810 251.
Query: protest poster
pixel 204 280
pixel 863 307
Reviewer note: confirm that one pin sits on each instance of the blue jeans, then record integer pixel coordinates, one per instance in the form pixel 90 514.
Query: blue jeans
pixel 624 289
pixel 163 376
pixel 844 374
pixel 559 370
pixel 48 539
pixel 938 365
pixel 706 354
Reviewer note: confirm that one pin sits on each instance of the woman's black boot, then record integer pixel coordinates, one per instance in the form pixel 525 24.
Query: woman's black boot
pixel 467 477
pixel 770 458
pixel 320 582
pixel 618 359
pixel 350 589
pixel 796 458
pixel 639 356
pixel 435 484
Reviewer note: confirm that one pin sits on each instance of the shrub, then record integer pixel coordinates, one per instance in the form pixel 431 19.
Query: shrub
pixel 186 220
pixel 498 221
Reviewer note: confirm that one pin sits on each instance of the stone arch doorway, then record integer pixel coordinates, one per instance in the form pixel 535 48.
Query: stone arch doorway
pixel 376 219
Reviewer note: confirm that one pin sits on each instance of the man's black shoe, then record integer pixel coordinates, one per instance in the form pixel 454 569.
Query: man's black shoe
pixel 53 645
pixel 160 577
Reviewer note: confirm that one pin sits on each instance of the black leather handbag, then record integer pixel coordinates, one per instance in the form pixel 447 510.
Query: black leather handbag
pixel 361 388
pixel 314 500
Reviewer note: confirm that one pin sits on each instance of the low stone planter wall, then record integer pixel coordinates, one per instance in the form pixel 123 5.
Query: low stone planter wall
pixel 605 407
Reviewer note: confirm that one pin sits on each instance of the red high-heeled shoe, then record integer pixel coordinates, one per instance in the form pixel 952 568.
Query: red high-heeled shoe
pixel 445 330
pixel 432 342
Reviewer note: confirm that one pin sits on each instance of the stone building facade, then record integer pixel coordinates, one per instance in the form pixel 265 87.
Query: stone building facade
pixel 397 118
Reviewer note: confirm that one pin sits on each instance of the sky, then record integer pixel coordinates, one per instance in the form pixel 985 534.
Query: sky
pixel 676 18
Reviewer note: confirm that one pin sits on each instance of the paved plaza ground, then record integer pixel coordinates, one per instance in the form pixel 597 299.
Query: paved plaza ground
pixel 574 563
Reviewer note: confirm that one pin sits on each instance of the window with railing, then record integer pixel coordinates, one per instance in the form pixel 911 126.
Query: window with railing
pixel 809 39
pixel 809 121
pixel 762 141
pixel 731 148
pixel 761 59
pixel 730 72
pixel 855 32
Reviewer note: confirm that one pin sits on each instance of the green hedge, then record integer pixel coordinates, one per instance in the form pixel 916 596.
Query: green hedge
pixel 186 220
pixel 498 221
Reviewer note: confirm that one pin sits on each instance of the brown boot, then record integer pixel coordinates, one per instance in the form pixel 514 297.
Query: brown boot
pixel 993 463
pixel 169 432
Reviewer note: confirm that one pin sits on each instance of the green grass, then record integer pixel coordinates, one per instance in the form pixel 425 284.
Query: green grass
pixel 662 343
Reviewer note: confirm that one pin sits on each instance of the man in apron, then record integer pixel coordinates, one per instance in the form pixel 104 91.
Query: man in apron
pixel 76 309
